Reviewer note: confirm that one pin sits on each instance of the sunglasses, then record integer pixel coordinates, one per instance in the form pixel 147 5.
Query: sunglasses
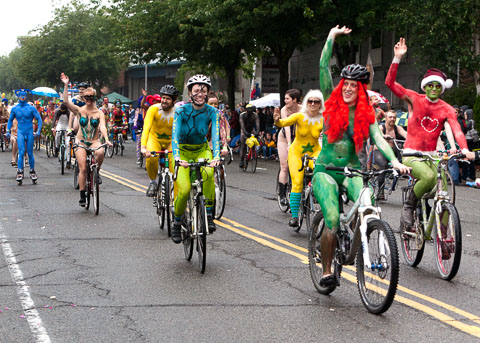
pixel 315 102
pixel 432 86
pixel 89 97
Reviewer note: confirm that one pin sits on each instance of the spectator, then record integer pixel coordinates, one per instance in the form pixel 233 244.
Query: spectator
pixel 261 116
pixel 234 123
pixel 269 146
pixel 269 119
pixel 131 122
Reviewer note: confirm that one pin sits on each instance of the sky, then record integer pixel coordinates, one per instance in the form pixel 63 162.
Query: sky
pixel 21 16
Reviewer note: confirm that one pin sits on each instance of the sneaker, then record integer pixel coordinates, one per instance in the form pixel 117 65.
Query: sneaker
pixel 293 222
pixel 211 224
pixel 151 189
pixel 33 175
pixel 284 201
pixel 177 232
pixel 83 199
pixel 19 175
pixel 138 161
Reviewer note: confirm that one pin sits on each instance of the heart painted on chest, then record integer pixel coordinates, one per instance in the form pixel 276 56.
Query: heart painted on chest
pixel 429 124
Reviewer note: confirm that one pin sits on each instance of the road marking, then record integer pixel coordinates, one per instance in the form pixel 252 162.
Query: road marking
pixel 23 291
pixel 239 228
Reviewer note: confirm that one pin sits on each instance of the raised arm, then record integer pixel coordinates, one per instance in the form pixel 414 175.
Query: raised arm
pixel 74 108
pixel 325 76
pixel 400 50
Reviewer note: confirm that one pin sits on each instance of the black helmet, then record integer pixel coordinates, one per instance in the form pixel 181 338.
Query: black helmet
pixel 356 72
pixel 83 85
pixel 169 90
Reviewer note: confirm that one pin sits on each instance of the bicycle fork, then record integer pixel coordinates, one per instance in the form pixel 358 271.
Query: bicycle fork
pixel 382 245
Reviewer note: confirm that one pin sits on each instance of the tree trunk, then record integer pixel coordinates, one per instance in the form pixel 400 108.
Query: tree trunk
pixel 283 82
pixel 230 72
pixel 476 74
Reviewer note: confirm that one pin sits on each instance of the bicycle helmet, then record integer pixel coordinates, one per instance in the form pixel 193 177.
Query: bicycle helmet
pixel 199 79
pixel 251 107
pixel 356 72
pixel 83 85
pixel 169 90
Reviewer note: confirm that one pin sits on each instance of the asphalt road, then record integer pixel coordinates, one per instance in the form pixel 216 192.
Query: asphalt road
pixel 71 276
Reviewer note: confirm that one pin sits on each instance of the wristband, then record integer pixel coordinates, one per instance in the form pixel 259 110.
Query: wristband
pixel 396 60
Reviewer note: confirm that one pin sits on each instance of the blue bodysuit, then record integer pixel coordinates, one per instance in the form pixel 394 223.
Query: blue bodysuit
pixel 25 114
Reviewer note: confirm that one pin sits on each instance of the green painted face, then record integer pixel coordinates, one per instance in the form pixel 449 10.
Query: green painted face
pixel 433 90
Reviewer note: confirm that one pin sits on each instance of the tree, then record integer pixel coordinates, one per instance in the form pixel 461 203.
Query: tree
pixel 78 41
pixel 441 33
pixel 9 77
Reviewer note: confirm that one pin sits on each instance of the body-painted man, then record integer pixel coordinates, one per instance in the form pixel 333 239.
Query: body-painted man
pixel 309 125
pixel 25 115
pixel 189 142
pixel 349 121
pixel 249 125
pixel 157 133
pixel 425 124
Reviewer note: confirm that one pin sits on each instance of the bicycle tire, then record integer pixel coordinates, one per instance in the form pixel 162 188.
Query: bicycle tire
pixel 311 208
pixel 247 160
pixel 47 146
pixel 386 269
pixel 62 158
pixel 451 187
pixel 167 199
pixel 413 243
pixel 253 158
pixel 89 187
pixel 140 165
pixel 75 175
pixel 2 142
pixel 314 255
pixel 115 148
pixel 52 146
pixel 109 151
pixel 160 205
pixel 201 234
pixel 220 192
pixel 187 238
pixel 448 250
pixel 95 190
pixel 283 208
pixel 120 143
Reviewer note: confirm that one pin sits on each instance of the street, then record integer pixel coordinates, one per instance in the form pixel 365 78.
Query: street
pixel 70 276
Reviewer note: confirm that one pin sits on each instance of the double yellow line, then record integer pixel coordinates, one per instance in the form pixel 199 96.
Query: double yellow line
pixel 301 253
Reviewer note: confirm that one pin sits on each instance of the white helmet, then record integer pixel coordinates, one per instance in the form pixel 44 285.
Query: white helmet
pixel 199 79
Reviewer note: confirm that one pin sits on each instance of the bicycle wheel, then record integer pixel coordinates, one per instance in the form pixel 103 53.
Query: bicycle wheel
pixel 2 142
pixel 247 159
pixel 115 148
pixel 140 165
pixel 109 151
pixel 62 158
pixel 377 283
pixel 253 159
pixel 95 190
pixel 47 147
pixel 311 209
pixel 220 192
pixel 187 238
pixel 166 199
pixel 315 256
pixel 120 143
pixel 301 212
pixel 75 175
pixel 89 186
pixel 448 248
pixel 52 146
pixel 413 241
pixel 160 204
pixel 201 234
pixel 283 207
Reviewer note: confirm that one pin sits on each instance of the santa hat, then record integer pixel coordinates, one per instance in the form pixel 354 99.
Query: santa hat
pixel 437 75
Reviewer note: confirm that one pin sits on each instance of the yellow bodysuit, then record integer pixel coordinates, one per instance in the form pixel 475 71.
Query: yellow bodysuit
pixel 157 135
pixel 306 141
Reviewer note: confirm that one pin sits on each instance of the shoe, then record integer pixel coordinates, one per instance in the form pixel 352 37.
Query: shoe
pixel 100 181
pixel 408 208
pixel 241 165
pixel 14 163
pixel 327 280
pixel 33 175
pixel 177 232
pixel 138 161
pixel 293 222
pixel 19 175
pixel 211 225
pixel 69 165
pixel 83 199
pixel 151 189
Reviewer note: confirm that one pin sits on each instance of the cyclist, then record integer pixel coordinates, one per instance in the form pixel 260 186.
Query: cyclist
pixel 91 121
pixel 157 133
pixel 78 99
pixel 118 119
pixel 223 122
pixel 189 142
pixel 249 125
pixel 349 122
pixel 309 125
pixel 425 124
pixel 61 119
pixel 390 132
pixel 4 116
pixel 13 142
pixel 285 138
pixel 25 115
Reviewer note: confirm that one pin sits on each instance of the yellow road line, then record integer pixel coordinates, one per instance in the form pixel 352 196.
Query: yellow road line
pixel 237 228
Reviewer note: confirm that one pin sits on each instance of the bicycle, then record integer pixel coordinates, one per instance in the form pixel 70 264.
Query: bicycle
pixel 140 160
pixel 118 140
pixel 163 198
pixel 194 220
pixel 3 141
pixel 49 143
pixel 363 236
pixel 221 185
pixel 442 218
pixel 284 207
pixel 251 155
pixel 62 151
pixel 308 204
pixel 76 169
pixel 92 186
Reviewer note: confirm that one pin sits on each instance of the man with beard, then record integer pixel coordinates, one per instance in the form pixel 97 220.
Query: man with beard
pixel 157 133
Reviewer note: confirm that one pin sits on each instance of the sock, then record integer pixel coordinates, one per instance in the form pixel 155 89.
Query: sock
pixel 295 203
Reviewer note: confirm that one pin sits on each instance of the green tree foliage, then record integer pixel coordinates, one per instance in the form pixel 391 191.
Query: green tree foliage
pixel 78 41
pixel 463 95
pixel 439 33
pixel 9 76
pixel 476 113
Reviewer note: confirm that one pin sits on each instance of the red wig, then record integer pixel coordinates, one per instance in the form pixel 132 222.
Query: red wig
pixel 336 116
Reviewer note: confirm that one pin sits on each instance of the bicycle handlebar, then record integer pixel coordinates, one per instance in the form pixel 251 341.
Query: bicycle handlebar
pixel 352 172
pixel 305 160
pixel 446 157
pixel 198 164
pixel 160 152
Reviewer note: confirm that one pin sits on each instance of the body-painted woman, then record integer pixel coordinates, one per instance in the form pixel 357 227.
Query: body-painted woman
pixel 349 121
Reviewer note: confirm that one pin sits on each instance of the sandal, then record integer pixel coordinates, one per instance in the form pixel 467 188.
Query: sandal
pixel 327 280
